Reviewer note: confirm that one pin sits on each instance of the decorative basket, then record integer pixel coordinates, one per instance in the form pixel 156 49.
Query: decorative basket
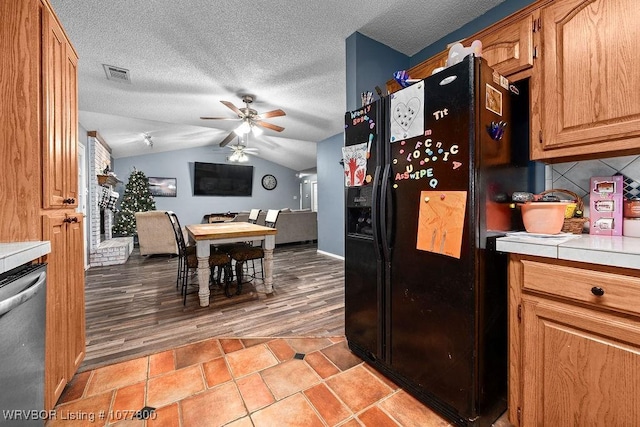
pixel 572 225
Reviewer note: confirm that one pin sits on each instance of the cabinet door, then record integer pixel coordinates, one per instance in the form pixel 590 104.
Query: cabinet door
pixel 71 127
pixel 53 66
pixel 75 294
pixel 60 117
pixel 509 49
pixel 581 367
pixel 65 331
pixel 55 231
pixel 588 87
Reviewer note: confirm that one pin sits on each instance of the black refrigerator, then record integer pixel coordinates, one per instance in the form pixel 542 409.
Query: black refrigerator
pixel 429 172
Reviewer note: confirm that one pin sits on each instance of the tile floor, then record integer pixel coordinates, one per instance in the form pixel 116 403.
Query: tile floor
pixel 241 382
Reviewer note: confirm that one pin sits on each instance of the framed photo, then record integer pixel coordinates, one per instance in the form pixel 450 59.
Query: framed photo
pixel 163 187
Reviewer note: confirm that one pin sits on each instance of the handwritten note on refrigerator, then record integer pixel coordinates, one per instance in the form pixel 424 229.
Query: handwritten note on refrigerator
pixel 441 222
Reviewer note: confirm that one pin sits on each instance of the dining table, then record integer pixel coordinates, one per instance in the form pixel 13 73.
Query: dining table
pixel 205 235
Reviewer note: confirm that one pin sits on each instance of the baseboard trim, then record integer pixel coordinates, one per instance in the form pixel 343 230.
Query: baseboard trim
pixel 330 254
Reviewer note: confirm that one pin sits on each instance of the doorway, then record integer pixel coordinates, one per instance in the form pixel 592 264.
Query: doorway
pixel 314 196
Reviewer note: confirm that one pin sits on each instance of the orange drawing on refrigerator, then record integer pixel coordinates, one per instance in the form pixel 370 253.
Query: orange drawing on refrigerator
pixel 441 222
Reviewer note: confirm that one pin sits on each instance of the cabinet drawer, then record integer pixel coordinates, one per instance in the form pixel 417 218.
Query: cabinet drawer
pixel 597 288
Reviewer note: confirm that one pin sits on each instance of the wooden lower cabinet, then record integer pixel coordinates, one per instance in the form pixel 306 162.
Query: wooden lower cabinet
pixel 65 341
pixel 574 361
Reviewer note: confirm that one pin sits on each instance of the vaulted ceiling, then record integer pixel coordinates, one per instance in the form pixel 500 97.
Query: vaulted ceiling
pixel 185 57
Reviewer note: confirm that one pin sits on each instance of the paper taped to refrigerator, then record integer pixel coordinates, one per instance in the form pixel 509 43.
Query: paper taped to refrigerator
pixel 355 164
pixel 441 222
pixel 407 113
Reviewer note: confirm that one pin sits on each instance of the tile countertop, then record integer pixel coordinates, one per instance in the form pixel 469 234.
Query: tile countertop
pixel 15 254
pixel 614 251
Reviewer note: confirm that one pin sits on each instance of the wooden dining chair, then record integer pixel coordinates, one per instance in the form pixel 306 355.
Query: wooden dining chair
pixel 244 253
pixel 188 261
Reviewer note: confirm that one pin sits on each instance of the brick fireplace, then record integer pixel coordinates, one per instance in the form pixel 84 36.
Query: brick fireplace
pixel 103 248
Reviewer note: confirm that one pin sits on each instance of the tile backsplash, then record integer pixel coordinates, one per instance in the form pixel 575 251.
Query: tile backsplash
pixel 575 176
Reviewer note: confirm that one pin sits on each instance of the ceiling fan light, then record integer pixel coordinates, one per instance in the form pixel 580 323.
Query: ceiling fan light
pixel 245 127
pixel 256 130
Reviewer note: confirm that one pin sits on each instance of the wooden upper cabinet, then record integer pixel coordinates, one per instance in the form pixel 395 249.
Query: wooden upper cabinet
pixel 60 116
pixel 509 49
pixel 587 83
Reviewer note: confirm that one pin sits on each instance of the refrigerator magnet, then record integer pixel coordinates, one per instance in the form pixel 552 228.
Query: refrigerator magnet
pixel 493 100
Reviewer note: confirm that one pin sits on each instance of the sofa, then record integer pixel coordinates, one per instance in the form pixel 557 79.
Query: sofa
pixel 292 225
pixel 155 233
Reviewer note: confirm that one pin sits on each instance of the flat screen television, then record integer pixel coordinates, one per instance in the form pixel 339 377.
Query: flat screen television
pixel 219 179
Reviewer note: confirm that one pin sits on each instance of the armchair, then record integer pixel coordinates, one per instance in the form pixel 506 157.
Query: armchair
pixel 155 233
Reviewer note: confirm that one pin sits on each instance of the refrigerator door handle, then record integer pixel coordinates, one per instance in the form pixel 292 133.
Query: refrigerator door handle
pixel 375 218
pixel 384 221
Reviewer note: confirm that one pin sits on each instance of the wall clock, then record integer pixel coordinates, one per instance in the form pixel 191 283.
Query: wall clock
pixel 269 182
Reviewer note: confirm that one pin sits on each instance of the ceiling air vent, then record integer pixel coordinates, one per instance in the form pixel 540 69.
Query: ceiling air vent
pixel 117 74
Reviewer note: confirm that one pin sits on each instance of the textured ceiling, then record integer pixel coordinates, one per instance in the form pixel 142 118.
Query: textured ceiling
pixel 184 57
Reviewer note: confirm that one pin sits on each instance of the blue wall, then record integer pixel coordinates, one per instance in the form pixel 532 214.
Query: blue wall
pixel 369 64
pixel 331 195
pixel 191 209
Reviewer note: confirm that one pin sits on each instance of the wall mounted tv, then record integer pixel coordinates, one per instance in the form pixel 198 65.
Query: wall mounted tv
pixel 219 179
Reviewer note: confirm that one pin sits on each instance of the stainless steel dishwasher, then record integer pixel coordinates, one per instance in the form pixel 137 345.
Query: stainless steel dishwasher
pixel 22 328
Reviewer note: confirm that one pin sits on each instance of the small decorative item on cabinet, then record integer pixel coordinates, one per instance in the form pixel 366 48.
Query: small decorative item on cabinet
pixel 575 222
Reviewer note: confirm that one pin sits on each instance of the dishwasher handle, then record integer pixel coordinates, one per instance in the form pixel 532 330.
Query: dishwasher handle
pixel 24 296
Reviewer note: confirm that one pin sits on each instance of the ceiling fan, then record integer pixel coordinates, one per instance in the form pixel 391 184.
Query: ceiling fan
pixel 239 151
pixel 142 137
pixel 251 120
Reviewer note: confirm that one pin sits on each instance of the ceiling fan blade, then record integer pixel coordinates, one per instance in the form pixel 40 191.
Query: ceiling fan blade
pixel 233 108
pixel 273 113
pixel 270 126
pixel 228 139
pixel 220 118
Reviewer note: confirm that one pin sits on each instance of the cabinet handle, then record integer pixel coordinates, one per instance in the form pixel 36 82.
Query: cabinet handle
pixel 69 220
pixel 597 291
pixel 69 201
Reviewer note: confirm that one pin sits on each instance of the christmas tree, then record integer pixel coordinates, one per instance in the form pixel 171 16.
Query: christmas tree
pixel 137 198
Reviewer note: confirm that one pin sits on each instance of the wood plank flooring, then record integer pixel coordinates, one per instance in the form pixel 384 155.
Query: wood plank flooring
pixel 134 309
